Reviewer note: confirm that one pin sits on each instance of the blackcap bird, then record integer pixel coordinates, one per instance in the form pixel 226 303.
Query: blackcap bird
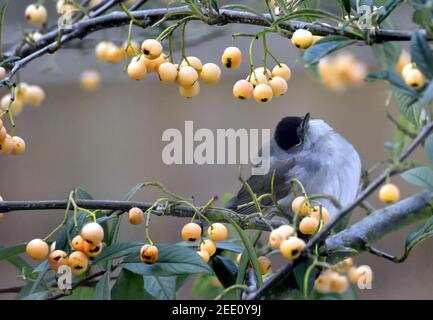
pixel 312 152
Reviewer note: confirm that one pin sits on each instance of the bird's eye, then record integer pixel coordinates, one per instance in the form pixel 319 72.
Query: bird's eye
pixel 300 142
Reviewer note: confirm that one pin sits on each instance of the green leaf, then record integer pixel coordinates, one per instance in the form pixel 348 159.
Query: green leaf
pixel 308 13
pixel 420 176
pixel 203 288
pixel 346 5
pixel 161 288
pixel 118 250
pixel 102 290
pixel 225 269
pixel 388 8
pixel 421 54
pixel 429 147
pixel 427 96
pixel 40 295
pixel 394 80
pixel 408 108
pixel 82 194
pixel 9 252
pixel 129 286
pixel 417 236
pixel 173 260
pixel 387 54
pixel 326 46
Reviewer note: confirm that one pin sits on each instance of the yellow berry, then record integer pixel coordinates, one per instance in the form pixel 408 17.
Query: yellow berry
pixel 93 233
pixel 210 73
pixel 277 236
pixel 15 107
pixel 261 70
pixel 204 255
pixel 308 225
pixel 190 91
pixel 300 206
pixel 57 258
pixel 257 78
pixel 278 85
pixel 389 193
pixel 2 73
pixel 403 61
pixel 151 48
pixel 315 213
pixel 265 265
pixel 78 243
pixel 263 93
pixel 346 264
pixel 131 49
pixel 19 145
pixel 136 69
pixel 34 96
pixel 232 57
pixel 302 38
pixel 101 50
pixel 339 284
pixel 37 249
pixel 114 53
pixel 3 134
pixel 209 246
pixel 292 247
pixel 322 284
pixel 406 68
pixel 167 72
pixel 90 80
pixel 414 78
pixel 153 65
pixel 78 262
pixel 149 254
pixel 363 273
pixel 282 71
pixel 217 232
pixel 36 14
pixel 243 89
pixel 191 232
pixel 7 145
pixel 92 250
pixel 135 215
pixel 193 62
pixel 187 76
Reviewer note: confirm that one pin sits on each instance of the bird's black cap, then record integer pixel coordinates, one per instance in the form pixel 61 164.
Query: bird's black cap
pixel 290 131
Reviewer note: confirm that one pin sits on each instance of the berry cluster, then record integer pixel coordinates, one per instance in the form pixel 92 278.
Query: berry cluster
pixel 192 232
pixel 87 245
pixel 336 279
pixel 342 71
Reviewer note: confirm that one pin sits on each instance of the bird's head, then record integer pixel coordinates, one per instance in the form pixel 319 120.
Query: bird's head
pixel 291 131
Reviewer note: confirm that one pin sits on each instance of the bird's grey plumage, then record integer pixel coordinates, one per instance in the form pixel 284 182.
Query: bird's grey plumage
pixel 324 162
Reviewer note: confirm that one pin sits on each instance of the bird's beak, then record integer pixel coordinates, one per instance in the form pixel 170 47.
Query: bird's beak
pixel 304 124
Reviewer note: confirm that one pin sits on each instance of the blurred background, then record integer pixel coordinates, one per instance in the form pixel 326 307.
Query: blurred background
pixel 108 140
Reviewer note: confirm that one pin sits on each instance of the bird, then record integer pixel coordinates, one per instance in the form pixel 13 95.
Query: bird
pixel 312 152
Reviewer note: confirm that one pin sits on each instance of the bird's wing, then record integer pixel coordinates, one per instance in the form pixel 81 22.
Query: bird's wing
pixel 261 184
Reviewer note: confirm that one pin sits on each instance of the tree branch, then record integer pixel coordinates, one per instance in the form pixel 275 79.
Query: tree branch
pixel 48 43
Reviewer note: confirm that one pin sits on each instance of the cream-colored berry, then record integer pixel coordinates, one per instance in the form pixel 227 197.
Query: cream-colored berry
pixel 217 232
pixel 278 85
pixel 114 53
pixel 90 80
pixel 407 67
pixel 167 72
pixel 92 250
pixel 193 62
pixel 137 70
pixel 414 78
pixel 265 265
pixel 339 284
pixel 78 262
pixel 34 96
pixel 93 233
pixel 101 50
pixel 308 226
pixel 362 274
pixel 15 106
pixel 286 230
pixel 210 73
pixel 78 243
pixel 153 65
pixel 3 133
pixel 7 145
pixel 149 254
pixel 19 146
pixel 151 48
pixel 263 93
pixel 37 249
pixel 232 57
pixel 191 91
pixel 57 258
pixel 257 78
pixel 283 71
pixel 36 14
pixel 389 193
pixel 187 76
pixel 209 246
pixel 243 89
pixel 135 216
pixel 302 38
pixel 204 255
pixel 2 73
pixel 131 49
pixel 191 232
pixel 267 73
pixel 292 247
pixel 346 264
pixel 300 206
